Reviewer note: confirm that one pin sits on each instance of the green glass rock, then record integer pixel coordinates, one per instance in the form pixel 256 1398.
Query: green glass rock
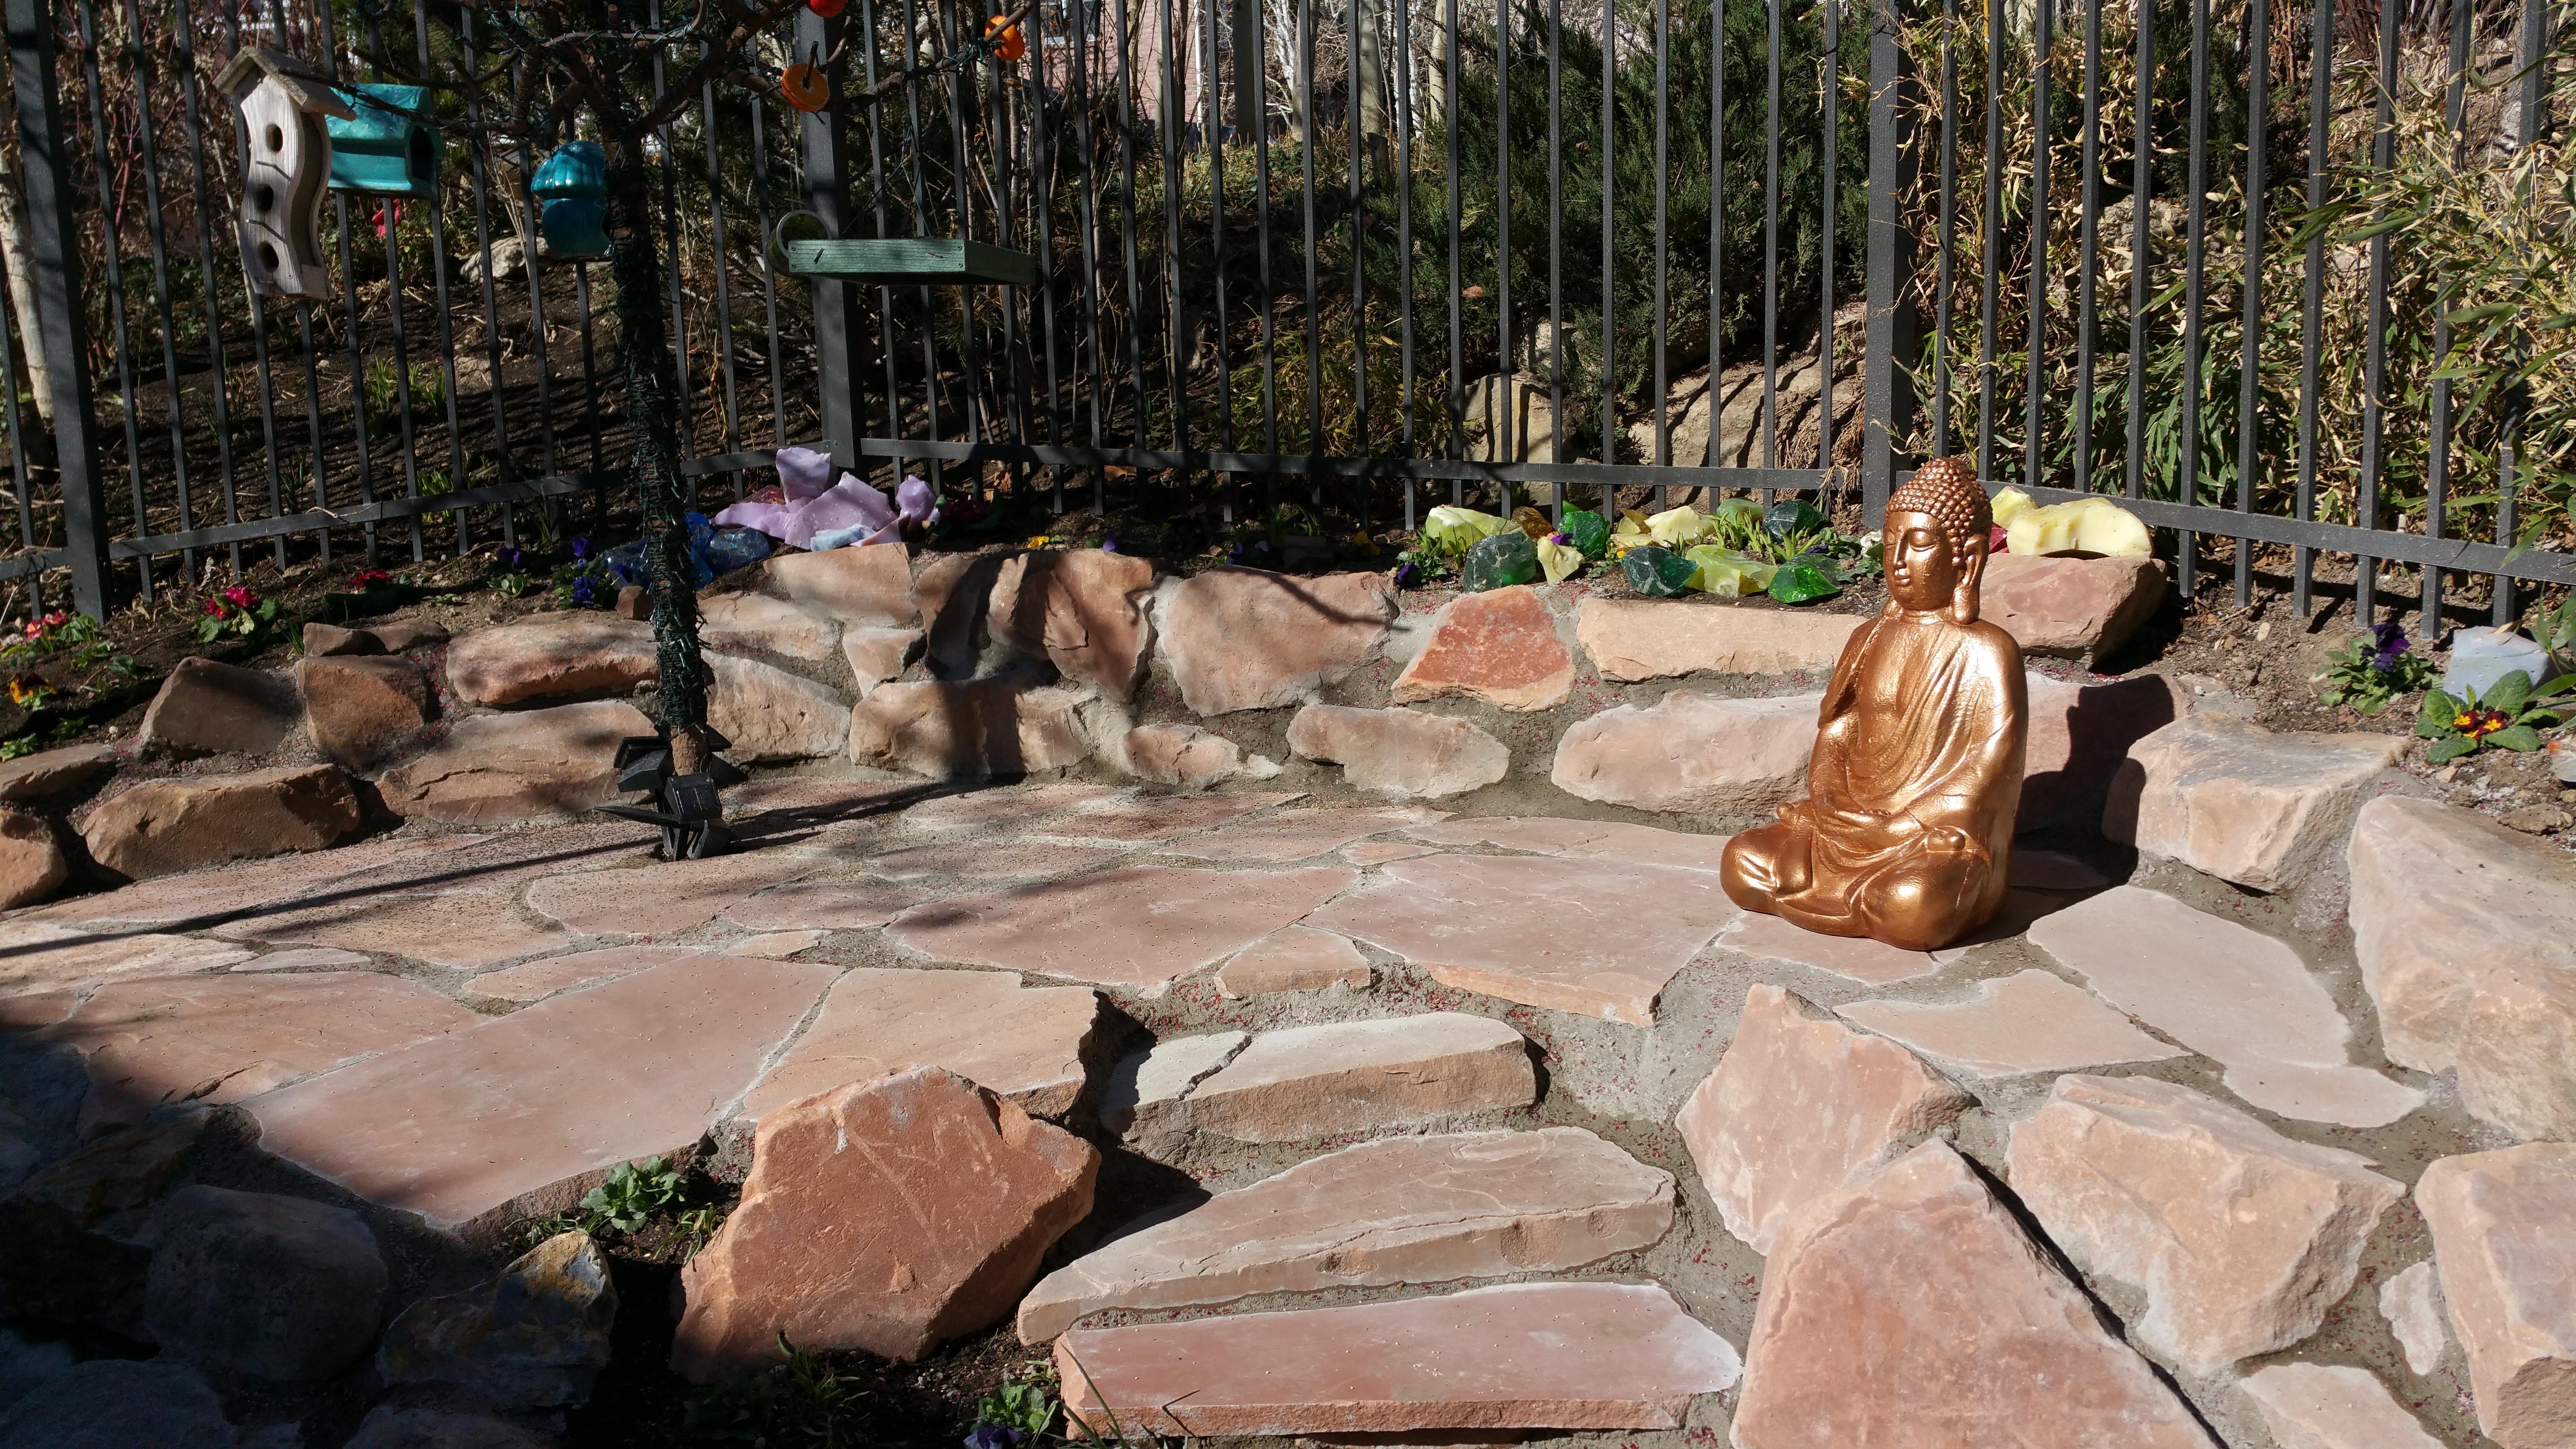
pixel 1792 516
pixel 1803 581
pixel 1739 513
pixel 1658 573
pixel 1506 558
pixel 1589 531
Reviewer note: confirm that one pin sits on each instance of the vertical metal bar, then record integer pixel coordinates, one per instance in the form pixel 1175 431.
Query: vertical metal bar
pixel 13 433
pixel 1770 248
pixel 1404 222
pixel 391 228
pixel 2374 366
pixel 1127 217
pixel 1261 228
pixel 313 362
pixel 1001 132
pixel 732 399
pixel 2249 381
pixel 1716 220
pixel 921 227
pixel 503 472
pixel 1831 67
pixel 1355 136
pixel 824 177
pixel 2437 473
pixel 1610 438
pixel 269 451
pixel 885 295
pixel 54 268
pixel 1892 341
pixel 2142 192
pixel 1042 185
pixel 1991 242
pixel 138 62
pixel 1663 191
pixel 1211 78
pixel 446 314
pixel 537 324
pixel 2195 270
pixel 1555 253
pixel 1506 436
pixel 1168 135
pixel 1306 172
pixel 589 381
pixel 1097 372
pixel 2043 56
pixel 1945 279
pixel 184 51
pixel 349 294
pixel 111 226
pixel 1457 277
pixel 2089 207
pixel 768 276
pixel 2312 296
pixel 679 299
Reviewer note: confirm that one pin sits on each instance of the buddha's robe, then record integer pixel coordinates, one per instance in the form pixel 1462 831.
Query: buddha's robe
pixel 1912 788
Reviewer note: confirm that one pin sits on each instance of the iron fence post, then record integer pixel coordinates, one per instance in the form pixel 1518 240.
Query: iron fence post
pixel 53 256
pixel 1888 389
pixel 826 175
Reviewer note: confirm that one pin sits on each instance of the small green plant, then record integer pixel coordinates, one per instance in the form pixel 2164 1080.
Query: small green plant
pixel 236 610
pixel 2510 716
pixel 798 1400
pixel 45 635
pixel 2374 670
pixel 2554 629
pixel 18 748
pixel 633 1192
pixel 1012 1416
pixel 586 582
pixel 384 400
pixel 511 574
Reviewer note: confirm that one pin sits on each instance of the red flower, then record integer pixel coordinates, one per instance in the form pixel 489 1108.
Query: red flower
pixel 215 606
pixel 240 597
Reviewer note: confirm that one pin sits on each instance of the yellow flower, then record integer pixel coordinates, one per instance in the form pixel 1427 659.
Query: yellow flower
pixel 1039 540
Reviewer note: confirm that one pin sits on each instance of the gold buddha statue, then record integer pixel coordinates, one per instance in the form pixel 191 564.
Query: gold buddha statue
pixel 1906 832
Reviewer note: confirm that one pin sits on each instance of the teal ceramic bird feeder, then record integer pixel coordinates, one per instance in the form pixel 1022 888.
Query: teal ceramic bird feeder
pixel 380 148
pixel 573 184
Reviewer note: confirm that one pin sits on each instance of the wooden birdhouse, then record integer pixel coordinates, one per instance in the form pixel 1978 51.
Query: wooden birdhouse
pixel 284 106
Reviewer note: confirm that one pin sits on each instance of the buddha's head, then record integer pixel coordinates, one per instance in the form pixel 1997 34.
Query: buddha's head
pixel 1938 523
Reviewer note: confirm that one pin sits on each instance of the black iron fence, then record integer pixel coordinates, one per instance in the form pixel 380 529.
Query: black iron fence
pixel 2293 280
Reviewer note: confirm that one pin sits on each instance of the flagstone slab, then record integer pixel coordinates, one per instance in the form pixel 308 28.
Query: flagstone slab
pixel 1003 859
pixel 1030 1046
pixel 820 905
pixel 1582 840
pixel 304 958
pixel 1137 926
pixel 1304 1082
pixel 771 626
pixel 510 858
pixel 1148 818
pixel 2320 1406
pixel 538 979
pixel 549 655
pixel 768 715
pixel 522 1113
pixel 524 765
pixel 1287 835
pixel 1692 753
pixel 2504 1242
pixel 1594 938
pixel 1295 958
pixel 1399 1210
pixel 1244 639
pixel 1499 646
pixel 226 890
pixel 1382 852
pixel 2244 803
pixel 776 945
pixel 1854 958
pixel 1519 1356
pixel 1003 805
pixel 41 956
pixel 1402 753
pixel 2228 992
pixel 1147 1085
pixel 2027 1022
pixel 1632 639
pixel 229 1037
pixel 660 898
pixel 464 929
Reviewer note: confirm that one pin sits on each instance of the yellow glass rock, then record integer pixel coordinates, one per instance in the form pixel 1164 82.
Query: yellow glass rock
pixel 2094 526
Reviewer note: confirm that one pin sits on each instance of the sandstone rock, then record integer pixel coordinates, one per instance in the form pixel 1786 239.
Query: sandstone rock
pixel 2313 1406
pixel 1692 753
pixel 1242 639
pixel 1801 1106
pixel 388 1426
pixel 1399 752
pixel 401 636
pixel 988 860
pixel 2411 1301
pixel 1978 1340
pixel 1082 610
pixel 1855 958
pixel 495 768
pixel 1582 839
pixel 1500 647
pixel 1299 834
pixel 1632 639
pixel 2504 1238
pixel 1314 1081
pixel 52 774
pixel 519 1115
pixel 2240 1237
pixel 1596 938
pixel 813 1251
pixel 39 956
pixel 770 715
pixel 1510 420
pixel 2079 741
pixel 2462 929
pixel 1139 926
pixel 2228 992
pixel 866 586
pixel 173 825
pixel 633 602
pixel 361 710
pixel 468 930
pixel 659 898
pixel 820 905
pixel 2070 608
pixel 877 655
pixel 206 708
pixel 1144 1087
pixel 767 625
pixel 550 655
pixel 32 866
pixel 950 594
pixel 247 885
pixel 2242 803
pixel 1520 1356
pixel 275 1287
pixel 949 731
pixel 324 641
pixel 547 975
pixel 1178 754
pixel 776 945
pixel 1031 1047
pixel 117 1403
pixel 2027 1022
pixel 1401 1210
pixel 74 1227
pixel 1297 958
pixel 535 1337
pixel 1141 819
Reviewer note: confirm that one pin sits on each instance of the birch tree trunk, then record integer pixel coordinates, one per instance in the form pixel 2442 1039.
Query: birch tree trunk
pixel 22 294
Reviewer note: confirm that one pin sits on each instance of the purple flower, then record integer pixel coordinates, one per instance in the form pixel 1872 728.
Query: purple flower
pixel 1109 543
pixel 994 1436
pixel 1406 575
pixel 1561 539
pixel 584 589
pixel 2389 644
pixel 580 548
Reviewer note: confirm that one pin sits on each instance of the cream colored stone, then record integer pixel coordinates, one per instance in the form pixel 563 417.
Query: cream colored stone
pixel 2027 1022
pixel 2411 1301
pixel 1304 1082
pixel 547 656
pixel 1691 753
pixel 2313 1406
pixel 769 715
pixel 1800 1107
pixel 1178 754
pixel 1632 639
pixel 767 625
pixel 1032 1047
pixel 1399 752
pixel 2504 1240
pixel 2070 608
pixel 1243 639
pixel 877 655
pixel 2240 1237
pixel 2243 803
pixel 864 586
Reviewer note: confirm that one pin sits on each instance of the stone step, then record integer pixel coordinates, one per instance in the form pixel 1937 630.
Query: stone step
pixel 1349 1076
pixel 1404 1210
pixel 1520 1356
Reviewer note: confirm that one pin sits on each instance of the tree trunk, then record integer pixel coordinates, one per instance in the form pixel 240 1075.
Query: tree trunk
pixel 652 417
pixel 22 294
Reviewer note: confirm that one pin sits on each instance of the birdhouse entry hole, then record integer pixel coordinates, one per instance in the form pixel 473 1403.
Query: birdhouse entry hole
pixel 267 257
pixel 263 196
pixel 276 139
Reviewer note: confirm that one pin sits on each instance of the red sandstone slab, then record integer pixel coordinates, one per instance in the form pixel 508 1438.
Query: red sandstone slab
pixel 510 858
pixel 41 956
pixel 1138 926
pixel 522 1112
pixel 989 859
pixel 1854 958
pixel 1297 958
pixel 662 897
pixel 465 929
pixel 1025 1046
pixel 1595 938
pixel 1297 834
pixel 1521 1356
pixel 820 905
pixel 1000 805
pixel 225 1038
pixel 539 979
pixel 1156 817
pixel 1500 647
pixel 248 886
pixel 1583 840
pixel 1381 852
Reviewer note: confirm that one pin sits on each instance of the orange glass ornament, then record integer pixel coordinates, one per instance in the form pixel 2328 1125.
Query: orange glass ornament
pixel 805 87
pixel 1008 43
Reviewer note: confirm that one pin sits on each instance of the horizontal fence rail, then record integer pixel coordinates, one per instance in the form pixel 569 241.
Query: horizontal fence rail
pixel 2281 276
